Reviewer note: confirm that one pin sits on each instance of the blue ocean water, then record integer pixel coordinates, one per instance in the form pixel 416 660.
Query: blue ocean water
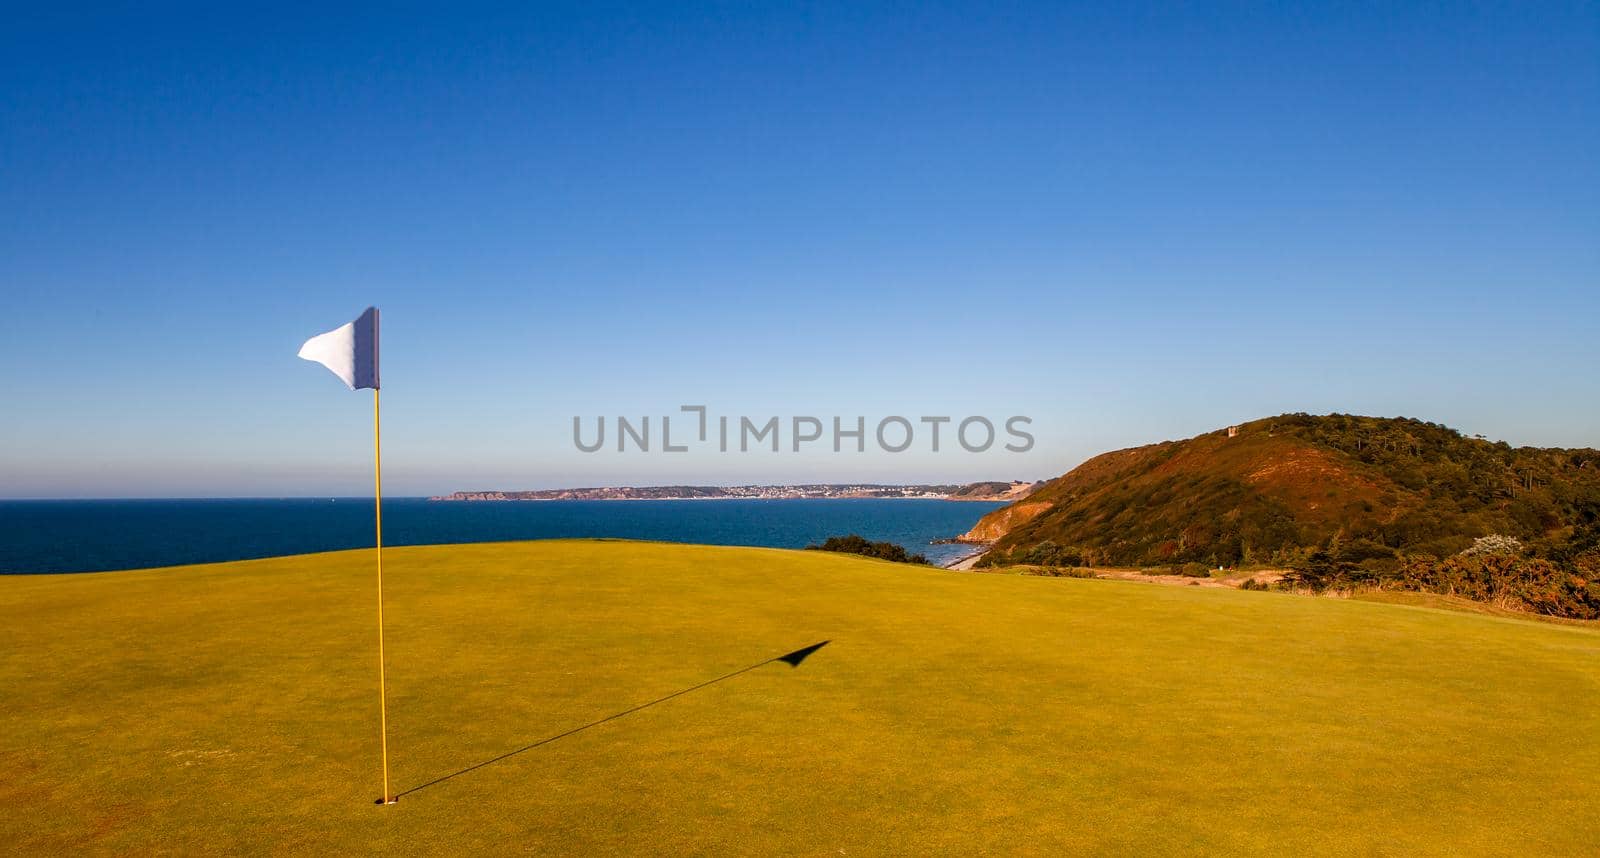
pixel 98 535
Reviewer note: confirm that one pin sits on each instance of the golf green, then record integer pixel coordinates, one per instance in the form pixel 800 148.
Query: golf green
pixel 233 708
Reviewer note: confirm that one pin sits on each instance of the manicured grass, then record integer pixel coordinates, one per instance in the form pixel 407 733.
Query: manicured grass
pixel 232 708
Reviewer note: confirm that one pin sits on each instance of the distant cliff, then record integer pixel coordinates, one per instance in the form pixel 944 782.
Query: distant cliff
pixel 995 491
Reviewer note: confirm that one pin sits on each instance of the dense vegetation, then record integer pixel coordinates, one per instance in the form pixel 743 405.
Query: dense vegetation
pixel 856 544
pixel 1345 501
pixel 1496 569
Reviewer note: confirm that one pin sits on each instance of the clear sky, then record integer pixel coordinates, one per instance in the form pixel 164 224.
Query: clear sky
pixel 1129 222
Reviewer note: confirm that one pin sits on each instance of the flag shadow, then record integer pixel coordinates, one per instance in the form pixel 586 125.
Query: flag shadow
pixel 793 659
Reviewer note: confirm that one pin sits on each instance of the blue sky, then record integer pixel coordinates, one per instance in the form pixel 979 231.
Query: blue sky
pixel 1128 222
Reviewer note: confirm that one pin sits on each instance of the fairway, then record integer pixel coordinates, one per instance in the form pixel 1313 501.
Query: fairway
pixel 232 708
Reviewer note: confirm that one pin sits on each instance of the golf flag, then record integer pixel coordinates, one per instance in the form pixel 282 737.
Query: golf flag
pixel 349 351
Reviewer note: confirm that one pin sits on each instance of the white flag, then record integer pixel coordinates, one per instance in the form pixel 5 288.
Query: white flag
pixel 350 351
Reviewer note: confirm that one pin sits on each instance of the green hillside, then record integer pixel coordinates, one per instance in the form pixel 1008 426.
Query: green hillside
pixel 231 708
pixel 1274 491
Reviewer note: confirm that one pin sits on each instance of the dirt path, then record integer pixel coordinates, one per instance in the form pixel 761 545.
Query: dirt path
pixel 1230 579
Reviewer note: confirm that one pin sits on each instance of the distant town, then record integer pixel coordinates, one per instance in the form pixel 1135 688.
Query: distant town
pixel 985 491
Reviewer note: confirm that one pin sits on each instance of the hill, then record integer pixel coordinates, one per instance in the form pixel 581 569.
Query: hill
pixel 994 491
pixel 1274 491
pixel 231 709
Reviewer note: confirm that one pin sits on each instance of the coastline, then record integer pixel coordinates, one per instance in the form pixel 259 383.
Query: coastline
pixel 1012 492
pixel 966 563
pixel 443 499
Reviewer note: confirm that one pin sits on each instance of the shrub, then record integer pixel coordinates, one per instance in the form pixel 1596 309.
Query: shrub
pixel 1494 545
pixel 1360 550
pixel 1514 582
pixel 856 544
pixel 1318 573
pixel 1542 586
pixel 1061 571
pixel 1047 553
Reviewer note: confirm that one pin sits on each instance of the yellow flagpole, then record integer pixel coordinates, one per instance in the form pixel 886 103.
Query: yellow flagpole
pixel 377 511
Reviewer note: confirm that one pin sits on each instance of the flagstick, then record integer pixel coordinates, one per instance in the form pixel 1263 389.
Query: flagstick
pixel 377 512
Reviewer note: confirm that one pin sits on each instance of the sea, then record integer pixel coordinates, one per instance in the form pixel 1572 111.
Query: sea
pixel 38 536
